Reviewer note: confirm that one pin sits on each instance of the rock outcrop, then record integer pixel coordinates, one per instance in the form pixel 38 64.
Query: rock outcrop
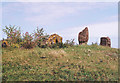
pixel 105 41
pixel 83 36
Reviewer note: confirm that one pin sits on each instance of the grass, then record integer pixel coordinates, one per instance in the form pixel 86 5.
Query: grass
pixel 83 63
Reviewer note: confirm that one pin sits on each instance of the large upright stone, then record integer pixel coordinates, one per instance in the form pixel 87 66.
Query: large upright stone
pixel 105 41
pixel 83 36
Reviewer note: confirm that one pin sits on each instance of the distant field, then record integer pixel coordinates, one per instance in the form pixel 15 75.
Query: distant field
pixel 83 63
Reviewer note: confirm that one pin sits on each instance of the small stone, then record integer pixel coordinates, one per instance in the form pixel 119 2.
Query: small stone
pixel 106 55
pixel 101 61
pixel 72 49
pixel 67 60
pixel 89 50
pixel 91 60
pixel 43 57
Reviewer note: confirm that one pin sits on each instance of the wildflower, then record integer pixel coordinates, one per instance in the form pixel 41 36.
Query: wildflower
pixel 26 33
pixel 88 54
pixel 80 61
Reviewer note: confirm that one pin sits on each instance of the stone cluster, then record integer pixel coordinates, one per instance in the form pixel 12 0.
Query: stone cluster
pixel 83 37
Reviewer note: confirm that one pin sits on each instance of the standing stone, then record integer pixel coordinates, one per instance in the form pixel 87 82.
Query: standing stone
pixel 83 36
pixel 105 41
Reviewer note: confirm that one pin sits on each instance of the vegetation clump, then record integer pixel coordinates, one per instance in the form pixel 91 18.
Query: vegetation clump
pixel 28 41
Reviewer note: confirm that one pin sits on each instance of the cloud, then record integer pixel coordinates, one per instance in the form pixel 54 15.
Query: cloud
pixel 48 13
pixel 111 18
pixel 41 13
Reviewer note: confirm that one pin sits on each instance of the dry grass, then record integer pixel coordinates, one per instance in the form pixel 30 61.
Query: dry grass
pixel 57 53
pixel 94 63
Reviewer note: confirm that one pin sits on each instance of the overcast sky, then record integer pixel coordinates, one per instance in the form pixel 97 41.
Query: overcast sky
pixel 64 18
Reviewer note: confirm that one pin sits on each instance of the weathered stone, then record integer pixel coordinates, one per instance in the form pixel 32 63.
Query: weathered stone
pixel 105 41
pixel 4 43
pixel 53 39
pixel 83 36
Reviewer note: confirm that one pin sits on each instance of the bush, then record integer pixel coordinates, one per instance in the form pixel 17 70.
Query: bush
pixel 94 43
pixel 40 37
pixel 15 45
pixel 21 44
pixel 27 41
pixel 28 45
pixel 43 46
pixel 58 45
pixel 13 34
pixel 69 43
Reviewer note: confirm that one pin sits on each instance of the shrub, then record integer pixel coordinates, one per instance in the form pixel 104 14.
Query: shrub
pixel 69 43
pixel 21 44
pixel 40 37
pixel 27 41
pixel 28 44
pixel 58 45
pixel 13 34
pixel 43 46
pixel 94 43
pixel 15 45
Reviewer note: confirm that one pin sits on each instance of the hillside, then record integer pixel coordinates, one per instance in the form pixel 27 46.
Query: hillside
pixel 83 63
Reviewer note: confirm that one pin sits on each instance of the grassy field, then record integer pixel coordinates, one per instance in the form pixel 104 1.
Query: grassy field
pixel 83 63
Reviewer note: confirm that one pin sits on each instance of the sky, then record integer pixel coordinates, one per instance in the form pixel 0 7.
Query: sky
pixel 66 19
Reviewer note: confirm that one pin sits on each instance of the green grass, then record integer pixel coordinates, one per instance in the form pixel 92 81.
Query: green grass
pixel 83 63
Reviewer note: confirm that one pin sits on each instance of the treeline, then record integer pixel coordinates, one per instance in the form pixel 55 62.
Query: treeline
pixel 26 40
